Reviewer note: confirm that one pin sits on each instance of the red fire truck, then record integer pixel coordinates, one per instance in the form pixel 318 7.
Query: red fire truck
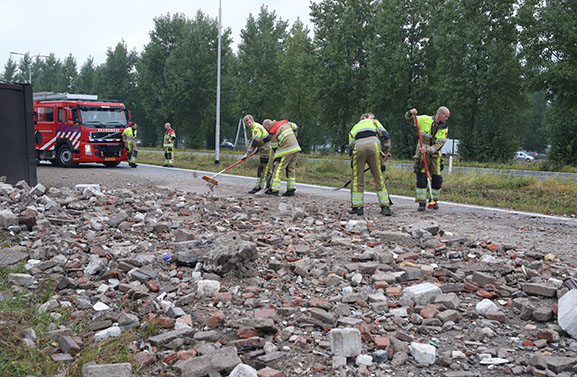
pixel 74 128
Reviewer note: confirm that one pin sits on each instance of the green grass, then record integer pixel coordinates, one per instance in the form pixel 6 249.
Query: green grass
pixel 552 196
pixel 20 313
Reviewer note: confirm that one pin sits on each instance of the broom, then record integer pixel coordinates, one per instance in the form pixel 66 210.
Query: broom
pixel 212 179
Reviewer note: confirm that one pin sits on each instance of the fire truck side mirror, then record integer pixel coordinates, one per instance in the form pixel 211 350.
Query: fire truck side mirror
pixel 69 115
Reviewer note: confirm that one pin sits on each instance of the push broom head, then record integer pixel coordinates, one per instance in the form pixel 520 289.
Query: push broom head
pixel 431 204
pixel 210 180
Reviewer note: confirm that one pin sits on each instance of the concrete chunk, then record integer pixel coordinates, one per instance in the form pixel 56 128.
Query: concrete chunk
pixel 423 353
pixel 224 359
pixel 539 289
pixel 346 342
pixel 107 370
pixel 422 294
pixel 567 314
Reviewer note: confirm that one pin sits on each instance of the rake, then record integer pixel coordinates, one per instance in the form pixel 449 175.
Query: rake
pixel 432 202
pixel 212 179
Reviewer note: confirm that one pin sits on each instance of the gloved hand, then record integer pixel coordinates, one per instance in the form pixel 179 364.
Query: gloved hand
pixel 383 168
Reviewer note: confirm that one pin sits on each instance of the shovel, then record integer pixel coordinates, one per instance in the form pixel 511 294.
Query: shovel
pixel 212 179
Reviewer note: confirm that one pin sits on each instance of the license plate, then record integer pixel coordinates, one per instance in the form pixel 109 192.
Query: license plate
pixel 109 159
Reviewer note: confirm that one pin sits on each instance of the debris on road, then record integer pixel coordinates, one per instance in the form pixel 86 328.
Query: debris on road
pixel 254 287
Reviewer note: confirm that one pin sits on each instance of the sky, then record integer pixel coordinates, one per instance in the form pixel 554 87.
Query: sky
pixel 89 28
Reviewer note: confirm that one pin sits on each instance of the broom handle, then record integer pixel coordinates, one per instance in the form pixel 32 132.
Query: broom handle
pixel 233 165
pixel 424 158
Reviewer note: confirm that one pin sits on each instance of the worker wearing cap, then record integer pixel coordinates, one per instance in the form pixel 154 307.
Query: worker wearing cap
pixel 434 131
pixel 168 145
pixel 129 139
pixel 285 157
pixel 260 140
pixel 365 149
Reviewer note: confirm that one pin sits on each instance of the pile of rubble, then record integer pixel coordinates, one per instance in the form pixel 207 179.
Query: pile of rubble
pixel 248 287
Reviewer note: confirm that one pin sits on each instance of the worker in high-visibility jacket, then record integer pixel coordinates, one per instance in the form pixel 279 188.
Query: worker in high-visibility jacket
pixel 434 133
pixel 129 139
pixel 365 140
pixel 260 140
pixel 168 145
pixel 285 157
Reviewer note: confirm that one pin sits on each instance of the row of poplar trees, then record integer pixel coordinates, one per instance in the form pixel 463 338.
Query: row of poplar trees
pixel 507 69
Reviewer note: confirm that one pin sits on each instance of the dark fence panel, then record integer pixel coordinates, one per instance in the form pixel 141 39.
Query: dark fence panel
pixel 17 155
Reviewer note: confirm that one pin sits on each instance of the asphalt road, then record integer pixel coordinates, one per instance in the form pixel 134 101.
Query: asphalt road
pixel 458 169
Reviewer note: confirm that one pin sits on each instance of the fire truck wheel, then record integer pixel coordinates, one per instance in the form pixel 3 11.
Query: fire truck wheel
pixel 111 164
pixel 64 156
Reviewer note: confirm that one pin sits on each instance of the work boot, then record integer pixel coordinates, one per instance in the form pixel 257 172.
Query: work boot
pixel 271 192
pixel 254 190
pixel 386 211
pixel 170 166
pixel 422 207
pixel 357 211
pixel 165 165
pixel 289 193
pixel 132 165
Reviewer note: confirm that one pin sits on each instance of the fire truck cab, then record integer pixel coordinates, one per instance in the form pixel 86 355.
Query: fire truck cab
pixel 75 128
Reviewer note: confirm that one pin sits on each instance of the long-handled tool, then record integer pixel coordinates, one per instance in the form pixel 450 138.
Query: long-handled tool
pixel 432 202
pixel 212 179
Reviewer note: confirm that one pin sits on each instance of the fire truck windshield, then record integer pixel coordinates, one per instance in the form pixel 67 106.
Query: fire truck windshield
pixel 103 117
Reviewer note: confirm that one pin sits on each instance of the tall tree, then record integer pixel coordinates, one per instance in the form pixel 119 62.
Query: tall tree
pixel 69 74
pixel 478 76
pixel 342 31
pixel 549 41
pixel 47 75
pixel 168 32
pixel 190 79
pixel 116 78
pixel 85 79
pixel 299 91
pixel 399 68
pixel 24 69
pixel 10 70
pixel 260 85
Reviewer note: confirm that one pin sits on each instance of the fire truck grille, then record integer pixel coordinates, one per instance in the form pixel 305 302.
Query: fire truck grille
pixel 107 150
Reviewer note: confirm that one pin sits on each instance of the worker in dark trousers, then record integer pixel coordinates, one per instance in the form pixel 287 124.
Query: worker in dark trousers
pixel 168 145
pixel 434 131
pixel 365 149
pixel 260 140
pixel 129 139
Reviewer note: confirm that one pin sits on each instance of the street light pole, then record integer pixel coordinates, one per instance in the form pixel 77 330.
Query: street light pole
pixel 30 69
pixel 217 131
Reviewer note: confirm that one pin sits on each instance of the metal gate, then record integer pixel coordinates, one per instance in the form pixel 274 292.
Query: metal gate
pixel 17 154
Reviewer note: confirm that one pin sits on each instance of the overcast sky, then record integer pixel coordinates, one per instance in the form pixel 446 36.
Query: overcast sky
pixel 88 28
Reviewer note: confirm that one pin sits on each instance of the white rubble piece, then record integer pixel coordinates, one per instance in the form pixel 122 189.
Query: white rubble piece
pixel 346 342
pixel 423 293
pixel 207 288
pixel 84 186
pixel 567 314
pixel 243 370
pixel 111 332
pixel 424 354
pixel 486 306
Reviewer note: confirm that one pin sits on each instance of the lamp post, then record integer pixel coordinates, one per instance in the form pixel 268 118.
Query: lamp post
pixel 30 70
pixel 217 129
